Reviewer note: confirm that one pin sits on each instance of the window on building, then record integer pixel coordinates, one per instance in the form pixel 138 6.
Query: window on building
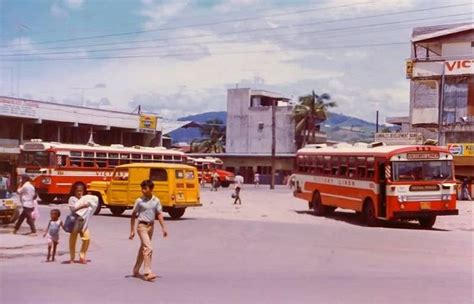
pixel 455 100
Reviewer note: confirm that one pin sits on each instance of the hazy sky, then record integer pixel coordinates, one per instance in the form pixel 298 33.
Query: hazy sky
pixel 178 57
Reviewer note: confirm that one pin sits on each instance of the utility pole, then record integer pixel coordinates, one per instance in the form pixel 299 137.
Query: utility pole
pixel 377 121
pixel 272 180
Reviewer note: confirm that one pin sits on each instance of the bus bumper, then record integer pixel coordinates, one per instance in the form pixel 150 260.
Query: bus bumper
pixel 424 213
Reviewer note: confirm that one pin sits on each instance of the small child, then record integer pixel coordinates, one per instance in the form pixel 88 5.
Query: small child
pixel 52 231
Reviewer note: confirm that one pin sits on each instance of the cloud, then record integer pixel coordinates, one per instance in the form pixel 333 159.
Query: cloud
pixel 62 8
pixel 230 5
pixel 161 12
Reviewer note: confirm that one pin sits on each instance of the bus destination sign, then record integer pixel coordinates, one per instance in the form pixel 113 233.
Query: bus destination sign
pixel 423 155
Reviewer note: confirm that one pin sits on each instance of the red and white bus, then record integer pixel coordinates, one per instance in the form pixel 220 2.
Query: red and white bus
pixel 208 165
pixel 381 182
pixel 56 167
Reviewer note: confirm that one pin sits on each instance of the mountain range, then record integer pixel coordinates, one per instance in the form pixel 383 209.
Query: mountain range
pixel 338 127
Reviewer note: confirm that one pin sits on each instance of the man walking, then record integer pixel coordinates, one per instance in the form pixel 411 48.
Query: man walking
pixel 239 181
pixel 27 194
pixel 147 208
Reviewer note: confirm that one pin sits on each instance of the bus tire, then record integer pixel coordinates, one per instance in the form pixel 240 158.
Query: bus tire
pixel 176 213
pixel 117 211
pixel 369 213
pixel 225 184
pixel 427 222
pixel 318 207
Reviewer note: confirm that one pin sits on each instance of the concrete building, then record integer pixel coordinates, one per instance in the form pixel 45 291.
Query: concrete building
pixel 441 73
pixel 249 134
pixel 249 122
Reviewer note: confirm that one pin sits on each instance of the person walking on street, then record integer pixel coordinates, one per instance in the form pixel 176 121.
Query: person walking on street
pixel 465 190
pixel 27 194
pixel 239 181
pixel 146 209
pixel 83 206
pixel 214 181
pixel 52 232
pixel 256 179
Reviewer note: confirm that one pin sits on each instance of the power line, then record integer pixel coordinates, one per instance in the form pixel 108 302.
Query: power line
pixel 196 25
pixel 221 41
pixel 214 54
pixel 252 30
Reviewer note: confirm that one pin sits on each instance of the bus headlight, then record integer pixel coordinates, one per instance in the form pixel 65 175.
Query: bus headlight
pixel 46 180
pixel 402 198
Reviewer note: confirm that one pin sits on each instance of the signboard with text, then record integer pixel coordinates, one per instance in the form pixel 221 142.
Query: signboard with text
pixel 436 68
pixel 409 138
pixel 18 108
pixel 461 149
pixel 147 123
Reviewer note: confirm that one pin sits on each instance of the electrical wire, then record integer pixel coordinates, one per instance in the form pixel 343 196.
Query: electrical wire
pixel 231 40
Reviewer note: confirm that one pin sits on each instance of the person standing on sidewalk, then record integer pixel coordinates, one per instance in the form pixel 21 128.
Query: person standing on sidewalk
pixel 147 208
pixel 27 194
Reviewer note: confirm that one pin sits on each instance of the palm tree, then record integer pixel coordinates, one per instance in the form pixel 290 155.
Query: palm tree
pixel 214 131
pixel 311 110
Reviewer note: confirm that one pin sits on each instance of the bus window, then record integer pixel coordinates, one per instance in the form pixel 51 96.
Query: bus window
pixel 124 159
pixel 327 165
pixel 113 159
pixel 76 154
pixel 136 158
pixel 147 157
pixel 101 160
pixel 61 160
pixel 189 174
pixel 335 165
pixel 38 158
pixel 158 175
pixel 158 157
pixel 422 170
pixel 343 166
pixel 88 154
pixel 168 158
pixel 89 163
pixel 75 162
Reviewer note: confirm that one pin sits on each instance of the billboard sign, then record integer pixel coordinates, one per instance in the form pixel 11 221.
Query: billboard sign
pixel 402 138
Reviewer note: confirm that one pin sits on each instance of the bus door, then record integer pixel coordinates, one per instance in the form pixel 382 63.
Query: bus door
pixel 382 190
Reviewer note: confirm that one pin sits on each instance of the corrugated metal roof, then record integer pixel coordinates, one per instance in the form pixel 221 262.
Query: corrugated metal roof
pixel 168 126
pixel 425 33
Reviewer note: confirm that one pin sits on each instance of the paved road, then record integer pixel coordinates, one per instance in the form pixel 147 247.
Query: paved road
pixel 225 261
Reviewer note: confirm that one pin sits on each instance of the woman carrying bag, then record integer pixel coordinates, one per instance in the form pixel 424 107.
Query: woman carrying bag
pixel 83 207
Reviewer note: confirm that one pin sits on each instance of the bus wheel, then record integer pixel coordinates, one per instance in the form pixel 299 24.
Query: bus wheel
pixel 225 184
pixel 176 213
pixel 318 207
pixel 369 213
pixel 427 221
pixel 117 211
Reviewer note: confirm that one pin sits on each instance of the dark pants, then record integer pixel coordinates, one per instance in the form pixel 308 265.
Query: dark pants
pixel 237 196
pixel 29 219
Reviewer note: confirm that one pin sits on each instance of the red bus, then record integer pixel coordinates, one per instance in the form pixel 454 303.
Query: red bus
pixel 56 167
pixel 207 165
pixel 381 182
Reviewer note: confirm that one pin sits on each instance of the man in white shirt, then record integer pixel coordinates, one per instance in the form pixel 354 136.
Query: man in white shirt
pixel 27 194
pixel 239 181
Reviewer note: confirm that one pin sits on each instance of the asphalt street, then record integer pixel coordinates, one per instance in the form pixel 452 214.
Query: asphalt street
pixel 209 260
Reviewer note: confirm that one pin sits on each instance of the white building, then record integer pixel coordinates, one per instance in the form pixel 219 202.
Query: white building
pixel 249 122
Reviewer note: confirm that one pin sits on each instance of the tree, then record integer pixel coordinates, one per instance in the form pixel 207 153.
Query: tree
pixel 311 110
pixel 213 132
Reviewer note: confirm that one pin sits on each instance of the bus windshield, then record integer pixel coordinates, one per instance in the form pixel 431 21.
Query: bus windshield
pixel 34 158
pixel 422 170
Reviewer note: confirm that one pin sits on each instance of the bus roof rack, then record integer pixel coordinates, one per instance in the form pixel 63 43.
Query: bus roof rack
pixel 342 145
pixel 360 145
pixel 116 146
